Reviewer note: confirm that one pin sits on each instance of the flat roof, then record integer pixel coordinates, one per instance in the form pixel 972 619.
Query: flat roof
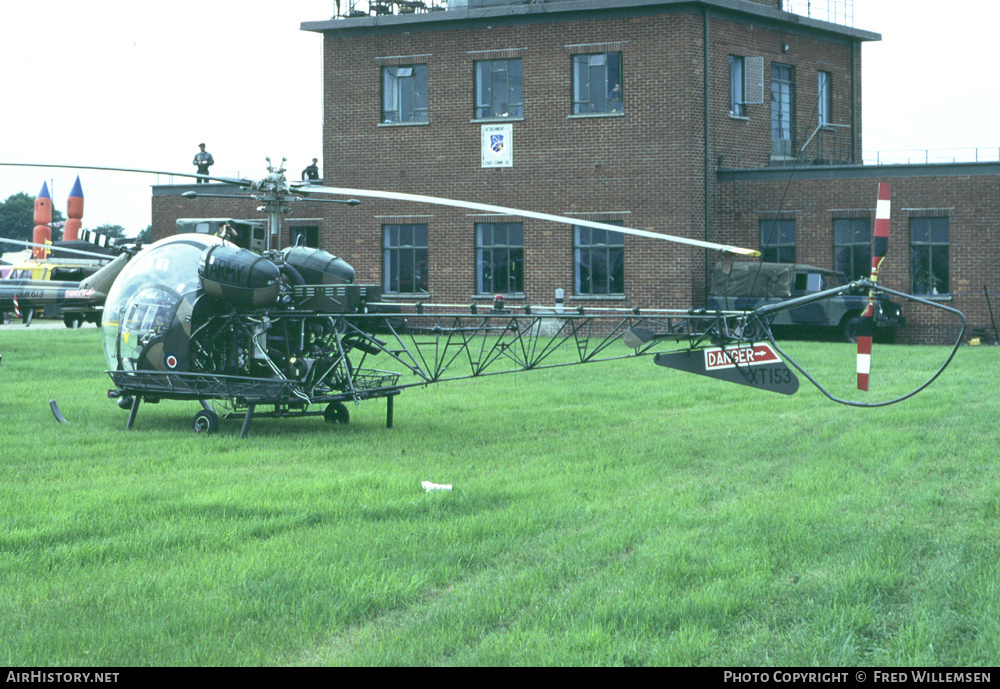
pixel 561 10
pixel 830 172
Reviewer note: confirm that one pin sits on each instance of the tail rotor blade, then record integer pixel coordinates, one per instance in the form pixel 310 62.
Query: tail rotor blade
pixel 880 247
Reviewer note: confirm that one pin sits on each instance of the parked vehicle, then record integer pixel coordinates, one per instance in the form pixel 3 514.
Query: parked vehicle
pixel 748 286
pixel 62 273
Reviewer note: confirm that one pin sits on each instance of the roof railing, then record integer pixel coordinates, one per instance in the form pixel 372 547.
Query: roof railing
pixel 832 11
pixel 930 156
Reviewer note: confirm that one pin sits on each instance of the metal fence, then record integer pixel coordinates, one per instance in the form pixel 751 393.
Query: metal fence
pixel 928 156
pixel 833 11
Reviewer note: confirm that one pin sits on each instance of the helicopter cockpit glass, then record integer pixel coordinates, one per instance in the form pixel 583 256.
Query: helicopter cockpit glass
pixel 143 300
pixel 148 315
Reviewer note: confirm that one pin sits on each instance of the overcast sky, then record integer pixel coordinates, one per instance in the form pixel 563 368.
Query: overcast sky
pixel 133 84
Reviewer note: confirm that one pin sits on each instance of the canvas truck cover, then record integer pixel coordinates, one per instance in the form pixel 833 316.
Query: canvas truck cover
pixel 759 280
pixel 751 285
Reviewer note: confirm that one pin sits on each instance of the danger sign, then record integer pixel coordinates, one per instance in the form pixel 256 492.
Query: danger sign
pixel 742 355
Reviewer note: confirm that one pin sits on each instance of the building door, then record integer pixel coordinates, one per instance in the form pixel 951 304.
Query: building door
pixel 781 111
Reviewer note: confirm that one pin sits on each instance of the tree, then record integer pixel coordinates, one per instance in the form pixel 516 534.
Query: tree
pixel 118 232
pixel 17 218
pixel 111 231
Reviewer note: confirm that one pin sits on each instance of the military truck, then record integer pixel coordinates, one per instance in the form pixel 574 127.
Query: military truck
pixel 245 234
pixel 748 286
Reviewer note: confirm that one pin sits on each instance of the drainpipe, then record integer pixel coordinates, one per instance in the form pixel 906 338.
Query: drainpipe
pixel 708 150
pixel 854 103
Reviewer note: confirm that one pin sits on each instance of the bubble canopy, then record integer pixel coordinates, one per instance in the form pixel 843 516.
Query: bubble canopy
pixel 144 298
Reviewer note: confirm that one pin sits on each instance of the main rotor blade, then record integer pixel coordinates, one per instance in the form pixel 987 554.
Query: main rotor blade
pixel 51 247
pixel 503 210
pixel 227 180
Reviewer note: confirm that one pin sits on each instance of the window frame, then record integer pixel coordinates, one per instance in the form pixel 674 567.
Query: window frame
pixel 778 251
pixel 782 109
pixel 604 105
pixel 402 259
pixel 824 102
pixel 401 87
pixel 919 285
pixel 858 248
pixel 500 243
pixel 613 243
pixel 309 231
pixel 737 86
pixel 514 95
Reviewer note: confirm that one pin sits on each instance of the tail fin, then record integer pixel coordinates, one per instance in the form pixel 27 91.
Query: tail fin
pixel 102 280
pixel 880 245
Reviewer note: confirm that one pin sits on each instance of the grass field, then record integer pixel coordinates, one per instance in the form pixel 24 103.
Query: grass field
pixel 609 514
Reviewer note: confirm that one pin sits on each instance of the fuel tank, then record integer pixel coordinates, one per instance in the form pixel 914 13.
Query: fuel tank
pixel 318 267
pixel 239 277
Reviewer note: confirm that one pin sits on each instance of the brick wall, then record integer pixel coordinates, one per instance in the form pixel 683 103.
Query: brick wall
pixel 745 142
pixel 640 163
pixel 646 167
pixel 970 201
pixel 648 163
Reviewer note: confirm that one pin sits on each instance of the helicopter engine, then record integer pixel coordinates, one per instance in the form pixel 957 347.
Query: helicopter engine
pixel 239 277
pixel 318 267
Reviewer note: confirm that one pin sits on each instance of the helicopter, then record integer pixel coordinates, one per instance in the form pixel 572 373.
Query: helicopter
pixel 76 301
pixel 289 333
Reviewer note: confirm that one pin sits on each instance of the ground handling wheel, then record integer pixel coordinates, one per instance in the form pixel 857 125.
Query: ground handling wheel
pixel 336 412
pixel 205 421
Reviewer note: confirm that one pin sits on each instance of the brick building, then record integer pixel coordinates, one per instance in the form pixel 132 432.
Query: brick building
pixel 731 121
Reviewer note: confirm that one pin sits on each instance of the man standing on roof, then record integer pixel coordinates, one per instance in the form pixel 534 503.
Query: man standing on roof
pixel 203 159
pixel 311 172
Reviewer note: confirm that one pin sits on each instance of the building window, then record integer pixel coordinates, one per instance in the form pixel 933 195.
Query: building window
pixel 781 110
pixel 404 259
pixel 825 104
pixel 499 258
pixel 597 83
pixel 304 235
pixel 929 256
pixel 852 247
pixel 737 96
pixel 498 88
pixel 777 241
pixel 598 260
pixel 404 93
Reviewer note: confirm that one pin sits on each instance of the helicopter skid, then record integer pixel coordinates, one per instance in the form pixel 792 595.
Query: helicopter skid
pixel 245 394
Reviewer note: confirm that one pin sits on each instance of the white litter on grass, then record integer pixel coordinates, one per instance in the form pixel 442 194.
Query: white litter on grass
pixel 428 486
